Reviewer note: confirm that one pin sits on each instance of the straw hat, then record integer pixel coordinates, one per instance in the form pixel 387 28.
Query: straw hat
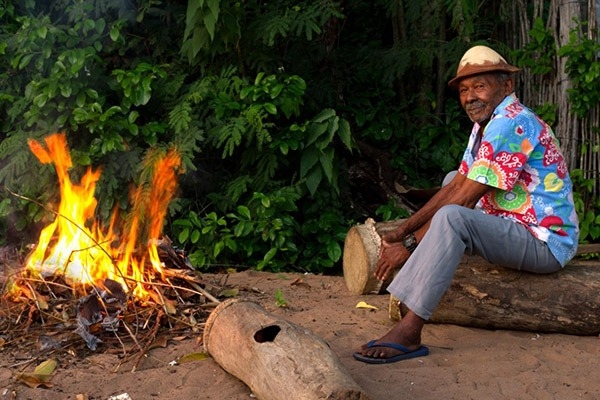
pixel 480 59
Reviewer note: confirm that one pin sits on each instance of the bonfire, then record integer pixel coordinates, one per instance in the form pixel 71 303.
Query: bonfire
pixel 104 283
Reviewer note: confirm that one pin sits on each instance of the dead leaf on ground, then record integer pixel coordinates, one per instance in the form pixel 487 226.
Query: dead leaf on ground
pixel 159 298
pixel 301 283
pixel 34 296
pixel 362 304
pixel 161 341
pixel 193 357
pixel 229 293
pixel 40 376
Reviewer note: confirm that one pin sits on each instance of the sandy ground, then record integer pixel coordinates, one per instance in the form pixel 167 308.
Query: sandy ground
pixel 464 363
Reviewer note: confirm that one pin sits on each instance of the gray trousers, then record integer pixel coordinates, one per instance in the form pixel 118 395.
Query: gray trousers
pixel 455 231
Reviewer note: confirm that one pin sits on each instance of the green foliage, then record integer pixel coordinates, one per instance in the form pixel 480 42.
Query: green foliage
pixel 268 172
pixel 201 20
pixel 547 112
pixel 323 235
pixel 318 155
pixel 217 27
pixel 265 102
pixel 265 233
pixel 303 19
pixel 463 14
pixel 260 233
pixel 539 54
pixel 583 66
pixel 280 300
pixel 73 83
pixel 391 211
pixel 587 207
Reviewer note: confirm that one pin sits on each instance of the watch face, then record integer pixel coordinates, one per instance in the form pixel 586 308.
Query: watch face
pixel 409 240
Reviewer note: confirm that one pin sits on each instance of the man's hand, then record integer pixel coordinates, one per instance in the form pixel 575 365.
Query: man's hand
pixel 392 257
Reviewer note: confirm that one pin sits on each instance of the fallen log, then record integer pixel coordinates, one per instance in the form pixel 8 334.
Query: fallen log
pixel 274 357
pixel 484 295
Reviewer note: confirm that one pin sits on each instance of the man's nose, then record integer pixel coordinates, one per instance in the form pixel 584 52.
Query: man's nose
pixel 470 96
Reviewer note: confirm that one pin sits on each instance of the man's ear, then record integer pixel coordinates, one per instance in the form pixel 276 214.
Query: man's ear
pixel 509 86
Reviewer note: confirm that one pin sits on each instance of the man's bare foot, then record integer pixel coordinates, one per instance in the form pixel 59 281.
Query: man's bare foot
pixel 402 339
pixel 384 353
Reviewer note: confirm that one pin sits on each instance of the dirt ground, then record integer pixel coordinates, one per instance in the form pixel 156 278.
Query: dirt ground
pixel 464 363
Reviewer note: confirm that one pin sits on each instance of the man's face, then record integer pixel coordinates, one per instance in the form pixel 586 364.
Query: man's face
pixel 481 94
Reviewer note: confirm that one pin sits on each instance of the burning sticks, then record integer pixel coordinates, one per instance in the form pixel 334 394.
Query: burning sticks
pixel 97 280
pixel 87 254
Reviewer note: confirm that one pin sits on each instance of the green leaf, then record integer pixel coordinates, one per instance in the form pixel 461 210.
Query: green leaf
pixel 182 222
pixel 313 180
pixel 308 160
pixel 284 148
pixel 40 100
pixel 244 212
pixel 259 78
pixel 5 208
pixel 89 24
pixel 326 160
pixel 100 25
pixel 276 90
pixel 238 230
pixel 324 115
pixel 270 107
pixel 24 62
pixel 270 254
pixel 246 91
pixel 195 236
pixel 210 20
pixel 183 236
pixel 41 32
pixel 265 201
pixel 197 258
pixel 114 33
pixel 344 133
pixel 219 246
pixel 334 251
pixel 325 141
pixel 316 130
pixel 66 90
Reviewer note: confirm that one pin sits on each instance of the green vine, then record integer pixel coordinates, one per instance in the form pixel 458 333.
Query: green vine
pixel 583 66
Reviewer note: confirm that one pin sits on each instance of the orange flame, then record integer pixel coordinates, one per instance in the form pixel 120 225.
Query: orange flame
pixel 76 247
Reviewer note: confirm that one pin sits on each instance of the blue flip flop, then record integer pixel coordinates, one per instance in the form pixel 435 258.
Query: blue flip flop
pixel 406 353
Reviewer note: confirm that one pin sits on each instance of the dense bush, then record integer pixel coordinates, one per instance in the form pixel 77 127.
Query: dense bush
pixel 266 102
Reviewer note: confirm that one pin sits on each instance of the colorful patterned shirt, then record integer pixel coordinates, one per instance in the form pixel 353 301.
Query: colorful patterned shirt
pixel 519 156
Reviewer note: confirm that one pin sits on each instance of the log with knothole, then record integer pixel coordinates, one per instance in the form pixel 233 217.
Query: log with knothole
pixel 274 357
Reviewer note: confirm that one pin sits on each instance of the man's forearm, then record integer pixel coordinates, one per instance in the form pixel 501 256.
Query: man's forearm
pixel 421 218
pixel 460 191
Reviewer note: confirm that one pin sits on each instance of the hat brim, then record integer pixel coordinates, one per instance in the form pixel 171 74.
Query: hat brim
pixel 476 69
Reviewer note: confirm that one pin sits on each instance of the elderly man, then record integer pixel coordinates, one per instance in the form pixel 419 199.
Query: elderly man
pixel 514 172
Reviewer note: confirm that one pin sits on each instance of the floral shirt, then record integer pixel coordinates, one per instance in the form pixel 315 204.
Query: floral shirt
pixel 519 156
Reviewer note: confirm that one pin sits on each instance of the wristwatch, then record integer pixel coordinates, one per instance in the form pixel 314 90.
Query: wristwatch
pixel 410 242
